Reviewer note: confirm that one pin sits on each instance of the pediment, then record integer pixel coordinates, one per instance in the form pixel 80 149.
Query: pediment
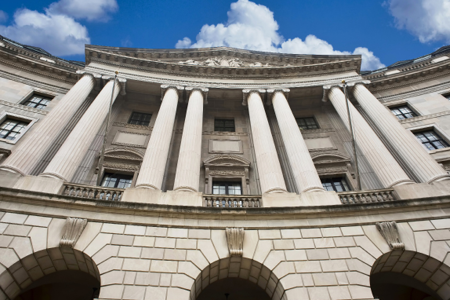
pixel 227 161
pixel 330 158
pixel 123 154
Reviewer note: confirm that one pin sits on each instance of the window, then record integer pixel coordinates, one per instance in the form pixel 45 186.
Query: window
pixel 37 101
pixel 140 119
pixel 227 188
pixel 431 140
pixel 307 123
pixel 114 180
pixel 224 125
pixel 403 112
pixel 337 184
pixel 11 128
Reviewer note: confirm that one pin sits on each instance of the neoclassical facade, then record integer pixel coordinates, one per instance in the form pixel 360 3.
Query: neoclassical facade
pixel 222 173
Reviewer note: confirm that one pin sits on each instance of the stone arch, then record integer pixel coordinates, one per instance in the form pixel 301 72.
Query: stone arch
pixel 410 270
pixel 239 268
pixel 22 274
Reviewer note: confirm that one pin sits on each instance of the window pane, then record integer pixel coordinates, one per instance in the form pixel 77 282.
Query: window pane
pixel 36 101
pixel 431 140
pixel 307 123
pixel 121 181
pixel 11 128
pixel 140 119
pixel 224 125
pixel 403 112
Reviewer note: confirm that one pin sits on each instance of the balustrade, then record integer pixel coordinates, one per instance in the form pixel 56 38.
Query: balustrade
pixel 92 192
pixel 373 196
pixel 231 201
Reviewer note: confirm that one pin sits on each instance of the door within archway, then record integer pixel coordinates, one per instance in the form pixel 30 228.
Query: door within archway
pixel 233 289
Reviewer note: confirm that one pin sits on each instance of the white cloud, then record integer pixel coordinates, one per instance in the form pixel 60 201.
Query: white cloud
pixel 252 26
pixel 91 10
pixel 58 34
pixel 3 16
pixel 426 19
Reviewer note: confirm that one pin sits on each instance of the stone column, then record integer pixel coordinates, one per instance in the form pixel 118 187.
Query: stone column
pixel 269 169
pixel 187 176
pixel 380 159
pixel 154 164
pixel 305 173
pixel 402 140
pixel 32 146
pixel 66 161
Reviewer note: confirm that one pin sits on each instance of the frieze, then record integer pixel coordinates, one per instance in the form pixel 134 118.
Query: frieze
pixel 33 83
pixel 121 167
pixel 129 145
pixel 136 133
pixel 224 133
pixel 123 157
pixel 226 173
pixel 223 62
pixel 339 170
pixel 320 130
pixel 133 126
pixel 420 92
pixel 24 107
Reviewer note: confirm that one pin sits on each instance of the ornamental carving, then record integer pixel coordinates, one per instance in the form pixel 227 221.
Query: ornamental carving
pixel 389 231
pixel 121 167
pixel 73 228
pixel 222 62
pixel 235 241
pixel 226 173
pixel 132 126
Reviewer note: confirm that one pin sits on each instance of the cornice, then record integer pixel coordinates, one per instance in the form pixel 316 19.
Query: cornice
pixel 241 84
pixel 33 83
pixel 410 74
pixel 174 68
pixel 419 92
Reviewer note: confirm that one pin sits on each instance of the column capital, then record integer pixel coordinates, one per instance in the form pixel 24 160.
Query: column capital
pixel 165 87
pixel 247 92
pixel 203 90
pixel 272 92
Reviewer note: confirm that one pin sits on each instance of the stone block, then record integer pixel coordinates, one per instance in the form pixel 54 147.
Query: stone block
pixel 199 233
pixel 182 281
pixel 317 254
pixel 324 279
pixel 262 250
pixel 165 242
pixel 360 292
pixel 174 254
pixel 283 269
pixel 114 263
pixel 8 179
pixel 8 257
pixel 273 259
pixel 304 244
pixel 125 251
pixel 124 240
pixel 197 258
pixel 187 243
pixel 135 230
pixel 189 269
pixel 331 232
pixel 87 236
pixel 177 233
pixel 18 230
pixel 113 277
pixel 352 230
pixel 318 293
pixel 113 228
pixel 133 292
pixel 421 225
pixel 324 243
pixel 5 240
pixel 423 242
pixel 250 242
pixel 339 292
pixel 311 233
pixel 422 190
pixel 295 255
pixel 133 264
pixel 344 241
pixel 208 250
pixel 283 244
pixel 291 281
pixel 38 221
pixel 163 266
pixel 308 267
pixel 143 195
pixel 441 223
pixel 165 279
pixel 269 234
pixel 219 239
pixel 147 278
pixel 98 243
pixel 14 218
pixel 156 231
pixel 290 234
pixel 22 246
pixel 111 292
pixel 39 184
pixel 334 265
pixel 177 294
pixel 440 235
pixel 297 293
pixel 152 253
pixel 144 241
pixel 155 293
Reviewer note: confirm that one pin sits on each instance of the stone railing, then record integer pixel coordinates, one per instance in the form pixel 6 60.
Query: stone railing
pixel 372 196
pixel 228 201
pixel 92 192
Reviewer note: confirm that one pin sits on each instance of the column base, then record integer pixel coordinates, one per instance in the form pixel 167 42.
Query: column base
pixel 422 190
pixel 185 189
pixel 40 184
pixel 150 196
pixel 8 178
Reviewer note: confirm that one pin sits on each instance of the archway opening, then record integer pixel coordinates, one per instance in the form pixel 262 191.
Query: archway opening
pixel 54 273
pixel 237 278
pixel 407 275
pixel 233 289
pixel 68 285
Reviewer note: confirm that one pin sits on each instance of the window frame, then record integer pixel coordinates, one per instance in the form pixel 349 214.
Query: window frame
pixel 227 184
pixel 402 105
pixel 141 113
pixel 35 94
pixel 120 174
pixel 224 127
pixel 304 118
pixel 431 127
pixel 343 178
pixel 4 115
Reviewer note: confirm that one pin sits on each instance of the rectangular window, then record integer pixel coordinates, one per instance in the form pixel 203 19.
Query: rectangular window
pixel 307 123
pixel 403 112
pixel 431 140
pixel 119 181
pixel 337 184
pixel 38 101
pixel 227 188
pixel 140 119
pixel 224 125
pixel 11 128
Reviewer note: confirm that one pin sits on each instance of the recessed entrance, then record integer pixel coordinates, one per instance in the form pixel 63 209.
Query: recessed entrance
pixel 233 289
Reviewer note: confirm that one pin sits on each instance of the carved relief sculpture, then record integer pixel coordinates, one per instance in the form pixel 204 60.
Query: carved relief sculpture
pixel 72 231
pixel 235 240
pixel 389 231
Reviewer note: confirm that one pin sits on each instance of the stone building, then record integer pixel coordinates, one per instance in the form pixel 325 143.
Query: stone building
pixel 222 173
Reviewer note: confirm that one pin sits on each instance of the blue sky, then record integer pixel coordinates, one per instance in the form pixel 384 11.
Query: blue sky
pixel 382 31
